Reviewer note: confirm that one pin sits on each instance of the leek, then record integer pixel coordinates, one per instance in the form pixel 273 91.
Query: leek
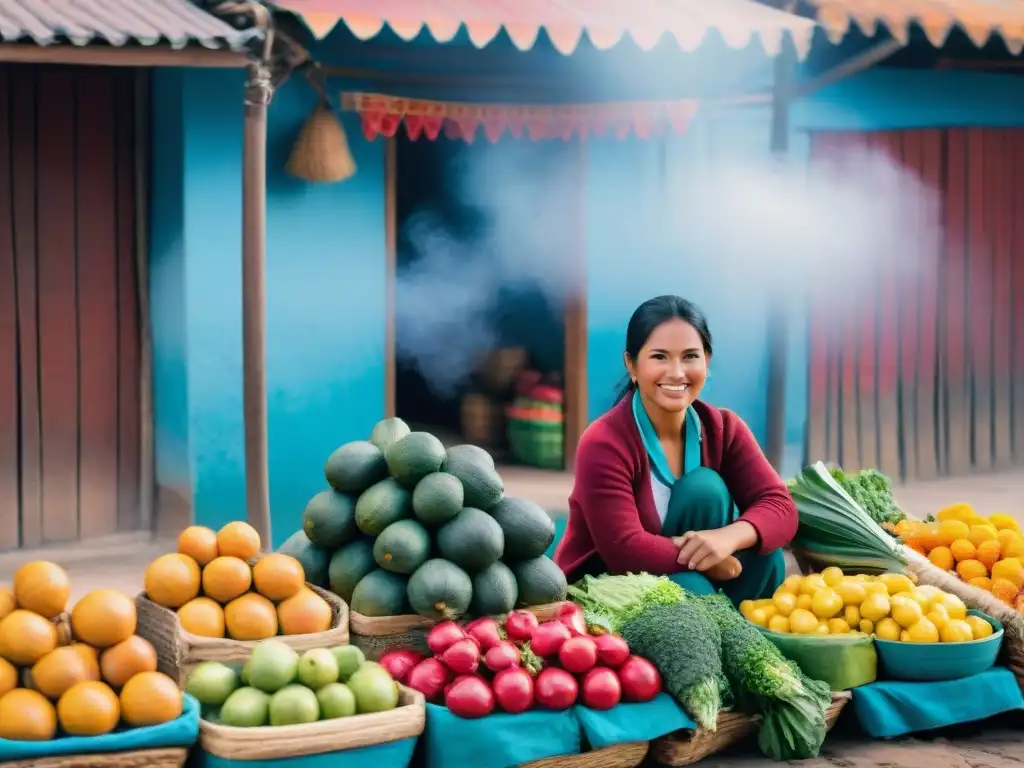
pixel 836 530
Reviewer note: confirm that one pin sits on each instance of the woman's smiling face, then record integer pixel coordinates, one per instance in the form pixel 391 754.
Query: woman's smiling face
pixel 671 368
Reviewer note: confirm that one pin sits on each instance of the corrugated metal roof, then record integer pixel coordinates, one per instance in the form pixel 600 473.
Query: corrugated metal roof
pixel 177 23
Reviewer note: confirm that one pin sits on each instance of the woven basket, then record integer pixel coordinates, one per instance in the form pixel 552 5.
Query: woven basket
pixel 689 747
pixel 174 757
pixel 537 443
pixel 336 735
pixel 178 651
pixel 628 755
pixel 375 636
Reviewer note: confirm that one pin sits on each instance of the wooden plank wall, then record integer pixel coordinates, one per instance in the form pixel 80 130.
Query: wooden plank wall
pixel 69 330
pixel 926 378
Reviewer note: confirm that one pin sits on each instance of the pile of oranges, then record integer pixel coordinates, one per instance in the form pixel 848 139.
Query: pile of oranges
pixel 987 552
pixel 220 589
pixel 82 680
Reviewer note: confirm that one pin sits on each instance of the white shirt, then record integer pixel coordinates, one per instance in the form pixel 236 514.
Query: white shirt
pixel 662 493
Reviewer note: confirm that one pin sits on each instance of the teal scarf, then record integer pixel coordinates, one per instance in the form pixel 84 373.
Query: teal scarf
pixel 655 453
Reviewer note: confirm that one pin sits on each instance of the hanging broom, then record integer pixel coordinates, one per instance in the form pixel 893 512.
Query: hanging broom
pixel 321 152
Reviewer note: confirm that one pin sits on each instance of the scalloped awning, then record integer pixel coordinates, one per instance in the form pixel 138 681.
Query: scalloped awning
pixel 381 115
pixel 980 19
pixel 604 22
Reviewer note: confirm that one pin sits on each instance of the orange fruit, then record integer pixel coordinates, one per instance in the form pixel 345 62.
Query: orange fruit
pixel 42 587
pixel 962 549
pixel 199 543
pixel 8 676
pixel 988 553
pixel 172 580
pixel 150 698
pixel 90 656
pixel 1005 590
pixel 58 670
pixel 104 617
pixel 304 613
pixel 121 662
pixel 250 617
pixel 203 617
pixel 942 558
pixel 26 715
pixel 239 540
pixel 89 709
pixel 278 577
pixel 25 637
pixel 7 602
pixel 226 578
pixel 971 569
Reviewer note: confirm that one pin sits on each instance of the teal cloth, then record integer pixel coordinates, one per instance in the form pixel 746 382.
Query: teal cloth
pixel 887 709
pixel 502 740
pixel 393 754
pixel 659 463
pixel 182 732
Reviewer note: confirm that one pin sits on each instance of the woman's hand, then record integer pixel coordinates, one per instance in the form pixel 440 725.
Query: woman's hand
pixel 704 550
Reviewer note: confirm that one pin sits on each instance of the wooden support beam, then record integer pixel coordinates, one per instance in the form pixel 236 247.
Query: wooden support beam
pixel 102 56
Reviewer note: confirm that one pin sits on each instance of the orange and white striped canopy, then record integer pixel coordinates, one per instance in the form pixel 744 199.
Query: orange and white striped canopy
pixel 604 22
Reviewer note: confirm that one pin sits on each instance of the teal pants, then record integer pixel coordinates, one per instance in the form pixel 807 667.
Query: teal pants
pixel 701 501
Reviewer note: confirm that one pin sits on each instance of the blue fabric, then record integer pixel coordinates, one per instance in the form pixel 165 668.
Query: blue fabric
pixel 656 454
pixel 502 741
pixel 888 708
pixel 182 732
pixel 394 754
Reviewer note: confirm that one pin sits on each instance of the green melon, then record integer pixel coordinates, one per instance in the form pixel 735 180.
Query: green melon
pixel 472 540
pixel 387 432
pixel 402 547
pixel 528 529
pixel 414 457
pixel 380 593
pixel 440 590
pixel 314 559
pixel 355 466
pixel 329 519
pixel 349 565
pixel 474 467
pixel 495 590
pixel 437 498
pixel 540 581
pixel 381 505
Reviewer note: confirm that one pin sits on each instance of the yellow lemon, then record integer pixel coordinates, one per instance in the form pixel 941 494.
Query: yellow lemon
pixel 905 612
pixel 887 629
pixel 850 592
pixel 832 576
pixel 938 615
pixel 1004 523
pixel 875 607
pixel 956 631
pixel 792 584
pixel 779 624
pixel 784 602
pixel 979 534
pixel 866 626
pixel 822 628
pixel 954 606
pixel 852 615
pixel 746 607
pixel 875 588
pixel 951 530
pixel 759 616
pixel 979 627
pixel 923 632
pixel 905 636
pixel 826 603
pixel 896 583
pixel 811 584
pixel 838 627
pixel 804 602
pixel 803 622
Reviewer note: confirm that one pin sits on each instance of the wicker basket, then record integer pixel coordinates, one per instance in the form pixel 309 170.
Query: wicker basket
pixel 178 651
pixel 173 757
pixel 375 636
pixel 336 735
pixel 689 747
pixel 628 755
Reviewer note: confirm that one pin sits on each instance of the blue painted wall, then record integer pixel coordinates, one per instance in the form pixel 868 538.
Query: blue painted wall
pixel 326 280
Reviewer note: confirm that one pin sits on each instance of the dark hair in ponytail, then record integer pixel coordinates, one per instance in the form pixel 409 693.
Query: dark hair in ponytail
pixel 649 316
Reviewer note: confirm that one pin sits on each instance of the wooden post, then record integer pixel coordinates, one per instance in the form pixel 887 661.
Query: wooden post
pixel 258 92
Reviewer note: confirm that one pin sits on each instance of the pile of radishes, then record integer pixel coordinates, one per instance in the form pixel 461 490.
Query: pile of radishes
pixel 522 664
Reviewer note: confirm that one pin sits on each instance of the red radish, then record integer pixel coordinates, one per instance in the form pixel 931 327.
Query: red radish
pixel 548 638
pixel 485 631
pixel 470 697
pixel 462 657
pixel 612 650
pixel 519 626
pixel 400 663
pixel 429 677
pixel 513 690
pixel 601 688
pixel 640 679
pixel 502 656
pixel 578 654
pixel 442 635
pixel 555 688
pixel 571 615
pixel 457 678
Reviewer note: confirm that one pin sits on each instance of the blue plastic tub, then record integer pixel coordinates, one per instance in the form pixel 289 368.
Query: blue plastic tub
pixel 933 662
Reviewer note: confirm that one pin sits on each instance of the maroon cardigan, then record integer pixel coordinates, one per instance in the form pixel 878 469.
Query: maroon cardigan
pixel 614 524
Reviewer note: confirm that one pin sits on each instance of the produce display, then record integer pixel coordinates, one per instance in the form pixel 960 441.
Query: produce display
pixel 82 682
pixel 872 490
pixel 408 526
pixel 520 663
pixel 278 686
pixel 711 658
pixel 987 552
pixel 219 588
pixel 889 606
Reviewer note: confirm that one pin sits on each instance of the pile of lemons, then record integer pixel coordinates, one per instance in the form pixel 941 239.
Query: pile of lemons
pixel 889 606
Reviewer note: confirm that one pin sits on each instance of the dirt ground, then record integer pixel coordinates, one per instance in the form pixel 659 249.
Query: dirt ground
pixel 121 561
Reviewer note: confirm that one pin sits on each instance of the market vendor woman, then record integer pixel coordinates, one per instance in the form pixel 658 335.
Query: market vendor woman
pixel 670 485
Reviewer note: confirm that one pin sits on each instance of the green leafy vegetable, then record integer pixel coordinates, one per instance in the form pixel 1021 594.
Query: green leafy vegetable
pixel 872 490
